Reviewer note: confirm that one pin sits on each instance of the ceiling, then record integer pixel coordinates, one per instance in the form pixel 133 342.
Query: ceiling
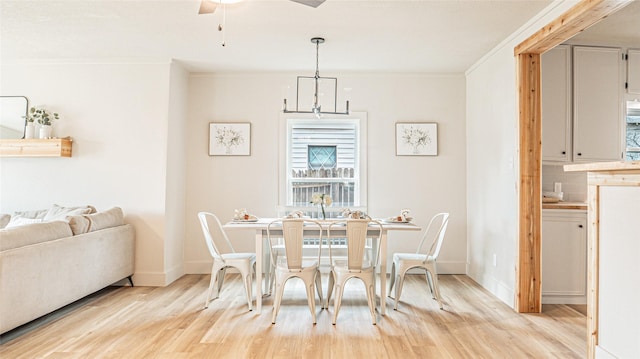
pixel 619 29
pixel 265 35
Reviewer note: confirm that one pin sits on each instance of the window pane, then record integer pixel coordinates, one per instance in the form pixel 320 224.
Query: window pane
pixel 322 157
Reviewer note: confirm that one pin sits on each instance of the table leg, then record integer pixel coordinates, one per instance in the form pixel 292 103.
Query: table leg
pixel 258 271
pixel 383 273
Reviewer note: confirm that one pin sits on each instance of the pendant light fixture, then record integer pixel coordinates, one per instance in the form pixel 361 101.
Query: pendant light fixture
pixel 316 108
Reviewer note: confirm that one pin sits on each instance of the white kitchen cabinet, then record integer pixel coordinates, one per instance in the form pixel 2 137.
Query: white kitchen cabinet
pixel 556 104
pixel 597 104
pixel 633 71
pixel 564 256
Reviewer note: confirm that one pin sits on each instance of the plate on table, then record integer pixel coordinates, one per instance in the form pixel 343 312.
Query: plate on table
pixel 395 220
pixel 250 219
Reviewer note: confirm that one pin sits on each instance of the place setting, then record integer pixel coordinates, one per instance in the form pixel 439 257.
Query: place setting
pixel 242 216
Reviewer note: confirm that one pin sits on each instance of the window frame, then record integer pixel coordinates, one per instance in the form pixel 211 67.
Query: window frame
pixel 286 122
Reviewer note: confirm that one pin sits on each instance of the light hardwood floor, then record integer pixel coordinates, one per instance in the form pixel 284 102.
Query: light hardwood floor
pixel 170 322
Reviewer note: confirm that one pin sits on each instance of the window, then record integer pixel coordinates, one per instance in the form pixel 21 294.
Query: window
pixel 323 156
pixel 633 131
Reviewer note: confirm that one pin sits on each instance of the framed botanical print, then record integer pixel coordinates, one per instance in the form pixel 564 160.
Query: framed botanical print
pixel 416 139
pixel 229 139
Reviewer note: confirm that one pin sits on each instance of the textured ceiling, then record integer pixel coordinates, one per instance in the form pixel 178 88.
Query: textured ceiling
pixel 265 35
pixel 274 35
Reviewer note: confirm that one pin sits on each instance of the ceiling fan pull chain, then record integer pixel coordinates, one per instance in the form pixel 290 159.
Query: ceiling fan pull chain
pixel 222 26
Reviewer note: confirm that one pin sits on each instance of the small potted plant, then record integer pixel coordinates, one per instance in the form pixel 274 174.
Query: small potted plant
pixel 44 118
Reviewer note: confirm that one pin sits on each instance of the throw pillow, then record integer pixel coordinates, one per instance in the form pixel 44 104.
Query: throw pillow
pixel 78 224
pixel 39 213
pixel 60 213
pixel 21 221
pixel 110 218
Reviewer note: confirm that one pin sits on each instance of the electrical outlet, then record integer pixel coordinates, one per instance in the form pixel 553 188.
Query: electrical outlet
pixel 495 260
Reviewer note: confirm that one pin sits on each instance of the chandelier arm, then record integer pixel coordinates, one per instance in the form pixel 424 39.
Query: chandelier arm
pixel 316 109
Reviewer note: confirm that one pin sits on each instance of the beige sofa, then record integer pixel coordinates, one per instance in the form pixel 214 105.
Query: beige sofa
pixel 47 265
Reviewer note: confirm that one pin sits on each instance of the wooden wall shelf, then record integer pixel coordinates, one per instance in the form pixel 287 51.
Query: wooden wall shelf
pixel 53 147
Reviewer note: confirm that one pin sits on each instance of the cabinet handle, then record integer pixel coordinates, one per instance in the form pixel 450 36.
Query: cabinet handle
pixel 579 153
pixel 579 226
pixel 564 152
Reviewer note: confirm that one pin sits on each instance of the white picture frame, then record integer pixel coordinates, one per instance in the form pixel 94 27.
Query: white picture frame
pixel 229 139
pixel 416 139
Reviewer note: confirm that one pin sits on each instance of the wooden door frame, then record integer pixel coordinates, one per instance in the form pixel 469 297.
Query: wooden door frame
pixel 528 297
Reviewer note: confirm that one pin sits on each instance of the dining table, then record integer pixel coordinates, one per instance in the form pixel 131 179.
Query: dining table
pixel 259 226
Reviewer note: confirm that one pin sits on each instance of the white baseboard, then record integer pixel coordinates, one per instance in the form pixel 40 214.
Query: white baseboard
pixel 499 289
pixel 564 299
pixel 197 267
pixel 157 279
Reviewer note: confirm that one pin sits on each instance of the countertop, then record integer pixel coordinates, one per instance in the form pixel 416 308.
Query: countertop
pixel 565 205
pixel 603 166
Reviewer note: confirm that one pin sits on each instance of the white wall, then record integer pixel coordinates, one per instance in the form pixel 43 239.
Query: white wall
pixel 492 161
pixel 117 115
pixel 176 173
pixel 426 185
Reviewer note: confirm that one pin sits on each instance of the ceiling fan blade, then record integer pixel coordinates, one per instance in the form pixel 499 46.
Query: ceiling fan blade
pixel 207 7
pixel 312 3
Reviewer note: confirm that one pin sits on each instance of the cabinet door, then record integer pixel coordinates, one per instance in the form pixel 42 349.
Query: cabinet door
pixel 633 71
pixel 598 111
pixel 556 104
pixel 564 258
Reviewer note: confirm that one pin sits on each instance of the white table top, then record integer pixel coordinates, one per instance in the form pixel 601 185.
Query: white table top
pixel 262 223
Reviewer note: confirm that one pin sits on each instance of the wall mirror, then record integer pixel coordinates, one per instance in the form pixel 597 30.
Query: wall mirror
pixel 13 110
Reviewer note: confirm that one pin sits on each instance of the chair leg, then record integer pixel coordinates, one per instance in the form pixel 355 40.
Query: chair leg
pixel 337 301
pixel 279 290
pixel 247 287
pixel 371 299
pixel 400 282
pixel 330 289
pixel 272 277
pixel 311 300
pixel 212 292
pixel 427 275
pixel 318 281
pixel 392 278
pixel 434 278
pixel 223 271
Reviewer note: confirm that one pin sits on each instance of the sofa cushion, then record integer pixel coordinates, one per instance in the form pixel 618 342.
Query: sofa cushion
pixel 110 218
pixel 79 224
pixel 26 217
pixel 4 220
pixel 21 221
pixel 58 212
pixel 38 232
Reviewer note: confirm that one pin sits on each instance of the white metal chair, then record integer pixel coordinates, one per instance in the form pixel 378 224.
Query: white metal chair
pixel 424 258
pixel 224 256
pixel 357 265
pixel 290 263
